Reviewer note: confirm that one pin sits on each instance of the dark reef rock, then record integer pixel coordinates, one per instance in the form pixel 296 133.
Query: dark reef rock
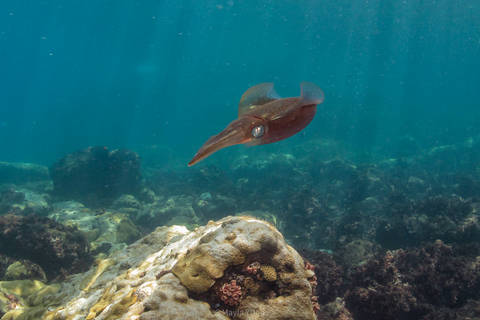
pixel 57 248
pixel 96 176
pixel 426 283
pixel 329 274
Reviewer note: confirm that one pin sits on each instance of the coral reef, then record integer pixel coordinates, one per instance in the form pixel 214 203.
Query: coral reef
pixel 324 198
pixel 135 283
pixel 96 176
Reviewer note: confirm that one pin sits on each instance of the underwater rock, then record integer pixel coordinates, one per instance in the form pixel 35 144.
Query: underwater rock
pixel 57 248
pixel 412 222
pixel 175 210
pixel 96 176
pixel 103 229
pixel 471 310
pixel 353 253
pixel 32 203
pixel 174 274
pixel 146 196
pixel 335 310
pixel 22 173
pixel 213 208
pixel 441 159
pixel 127 204
pixel 115 228
pixel 9 197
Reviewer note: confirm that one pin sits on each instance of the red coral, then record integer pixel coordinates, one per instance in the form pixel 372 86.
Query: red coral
pixel 252 268
pixel 309 266
pixel 312 280
pixel 313 284
pixel 315 305
pixel 230 293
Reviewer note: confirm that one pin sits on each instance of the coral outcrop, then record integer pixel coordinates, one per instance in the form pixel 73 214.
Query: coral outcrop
pixel 22 174
pixel 173 273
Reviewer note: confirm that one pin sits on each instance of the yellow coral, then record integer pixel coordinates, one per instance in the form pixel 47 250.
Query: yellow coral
pixel 268 273
pixel 89 280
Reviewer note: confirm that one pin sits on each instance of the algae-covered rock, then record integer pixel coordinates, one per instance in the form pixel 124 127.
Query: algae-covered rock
pixel 103 229
pixel 23 270
pixel 176 274
pixel 128 205
pixel 26 299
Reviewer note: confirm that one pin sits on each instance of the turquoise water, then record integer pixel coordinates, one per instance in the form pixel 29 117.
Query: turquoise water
pixel 166 75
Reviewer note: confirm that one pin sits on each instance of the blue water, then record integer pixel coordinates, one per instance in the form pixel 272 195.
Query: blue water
pixel 163 76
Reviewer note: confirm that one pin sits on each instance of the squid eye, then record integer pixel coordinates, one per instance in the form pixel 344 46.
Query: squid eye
pixel 258 132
